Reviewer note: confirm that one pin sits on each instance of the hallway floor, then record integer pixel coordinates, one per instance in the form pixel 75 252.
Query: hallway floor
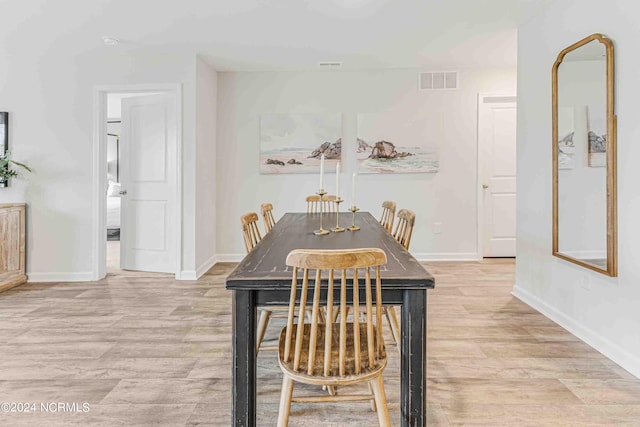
pixel 156 351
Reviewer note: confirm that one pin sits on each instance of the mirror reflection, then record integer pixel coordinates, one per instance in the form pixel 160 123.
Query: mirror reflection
pixel 582 174
pixel 584 216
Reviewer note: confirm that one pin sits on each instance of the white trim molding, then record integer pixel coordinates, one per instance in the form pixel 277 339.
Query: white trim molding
pixel 73 276
pixel 205 266
pixel 199 272
pixel 613 351
pixel 230 257
pixel 187 275
pixel 100 176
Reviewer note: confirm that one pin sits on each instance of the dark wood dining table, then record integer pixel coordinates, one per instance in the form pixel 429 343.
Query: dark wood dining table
pixel 262 279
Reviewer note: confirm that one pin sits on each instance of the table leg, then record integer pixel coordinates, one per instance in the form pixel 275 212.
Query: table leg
pixel 413 394
pixel 244 359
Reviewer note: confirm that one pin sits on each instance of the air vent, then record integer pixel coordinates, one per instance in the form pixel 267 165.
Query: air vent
pixel 330 64
pixel 438 80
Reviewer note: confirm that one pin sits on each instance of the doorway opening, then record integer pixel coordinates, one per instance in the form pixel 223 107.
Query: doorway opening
pixel 496 186
pixel 137 181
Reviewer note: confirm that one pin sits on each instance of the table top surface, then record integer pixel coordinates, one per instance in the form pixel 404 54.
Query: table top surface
pixel 264 267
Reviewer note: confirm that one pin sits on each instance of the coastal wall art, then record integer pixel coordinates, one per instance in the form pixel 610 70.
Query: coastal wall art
pixel 566 133
pixel 597 134
pixel 392 142
pixel 294 143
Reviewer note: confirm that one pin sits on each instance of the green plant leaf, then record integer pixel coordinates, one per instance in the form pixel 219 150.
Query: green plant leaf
pixel 22 165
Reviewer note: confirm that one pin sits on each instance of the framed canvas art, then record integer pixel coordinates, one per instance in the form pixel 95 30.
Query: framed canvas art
pixel 566 133
pixel 392 142
pixel 294 143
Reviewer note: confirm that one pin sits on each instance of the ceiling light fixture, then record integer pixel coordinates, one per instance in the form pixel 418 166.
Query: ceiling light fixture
pixel 110 41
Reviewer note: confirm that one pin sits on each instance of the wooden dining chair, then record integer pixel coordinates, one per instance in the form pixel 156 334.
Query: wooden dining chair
pixel 267 216
pixel 334 354
pixel 404 227
pixel 328 203
pixel 251 235
pixel 250 230
pixel 388 214
pixel 402 234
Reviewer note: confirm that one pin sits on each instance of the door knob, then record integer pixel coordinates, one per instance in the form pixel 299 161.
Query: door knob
pixel 122 192
pixel 485 186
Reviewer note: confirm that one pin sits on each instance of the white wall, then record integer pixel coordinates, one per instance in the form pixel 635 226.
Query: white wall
pixel 448 196
pixel 48 89
pixel 114 103
pixel 601 310
pixel 206 104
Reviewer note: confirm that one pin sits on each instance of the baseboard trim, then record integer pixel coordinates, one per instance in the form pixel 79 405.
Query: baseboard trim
pixel 83 276
pixel 187 275
pixel 205 266
pixel 230 257
pixel 611 350
pixel 453 256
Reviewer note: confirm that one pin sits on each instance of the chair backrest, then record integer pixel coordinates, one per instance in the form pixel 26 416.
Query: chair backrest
pixel 250 230
pixel 267 216
pixel 328 203
pixel 404 227
pixel 388 214
pixel 350 347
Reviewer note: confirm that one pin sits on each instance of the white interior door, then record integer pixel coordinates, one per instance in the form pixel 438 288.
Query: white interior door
pixel 497 150
pixel 148 180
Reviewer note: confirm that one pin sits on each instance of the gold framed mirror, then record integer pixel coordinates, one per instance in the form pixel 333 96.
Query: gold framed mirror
pixel 584 155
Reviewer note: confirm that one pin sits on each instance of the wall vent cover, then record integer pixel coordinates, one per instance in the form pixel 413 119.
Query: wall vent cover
pixel 438 80
pixel 330 64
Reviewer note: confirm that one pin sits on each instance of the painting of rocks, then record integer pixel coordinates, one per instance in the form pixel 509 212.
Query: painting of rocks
pixel 294 143
pixel 597 135
pixel 566 133
pixel 391 142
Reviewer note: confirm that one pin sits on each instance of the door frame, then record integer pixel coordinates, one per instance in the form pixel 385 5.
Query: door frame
pixel 482 99
pixel 99 181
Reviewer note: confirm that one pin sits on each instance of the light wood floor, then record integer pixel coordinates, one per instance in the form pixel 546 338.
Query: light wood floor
pixel 154 351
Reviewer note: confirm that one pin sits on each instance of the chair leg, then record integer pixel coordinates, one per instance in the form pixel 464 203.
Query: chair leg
pixel 285 401
pixel 393 335
pixel 395 327
pixel 381 401
pixel 373 401
pixel 265 315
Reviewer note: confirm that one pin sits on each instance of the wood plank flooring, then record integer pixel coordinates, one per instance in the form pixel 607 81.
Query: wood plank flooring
pixel 146 350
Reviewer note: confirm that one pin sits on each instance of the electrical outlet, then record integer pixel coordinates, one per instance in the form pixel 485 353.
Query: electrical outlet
pixel 437 227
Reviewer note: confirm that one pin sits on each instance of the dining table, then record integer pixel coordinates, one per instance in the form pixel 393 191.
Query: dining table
pixel 262 279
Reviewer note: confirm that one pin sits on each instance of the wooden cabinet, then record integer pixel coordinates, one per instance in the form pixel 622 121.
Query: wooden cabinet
pixel 12 245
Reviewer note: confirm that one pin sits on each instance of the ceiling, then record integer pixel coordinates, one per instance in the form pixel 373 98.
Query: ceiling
pixel 294 34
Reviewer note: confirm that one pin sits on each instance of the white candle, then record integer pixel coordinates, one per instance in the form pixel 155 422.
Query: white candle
pixel 353 190
pixel 338 180
pixel 322 172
